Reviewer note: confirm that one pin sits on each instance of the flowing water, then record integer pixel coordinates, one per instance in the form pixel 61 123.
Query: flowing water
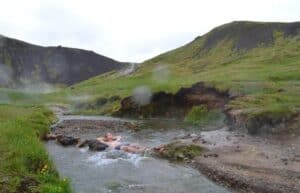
pixel 113 171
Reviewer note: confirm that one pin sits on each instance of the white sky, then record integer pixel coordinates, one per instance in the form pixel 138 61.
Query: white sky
pixel 131 30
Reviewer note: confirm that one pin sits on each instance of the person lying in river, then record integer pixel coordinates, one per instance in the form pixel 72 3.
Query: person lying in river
pixel 110 140
pixel 131 148
pixel 115 143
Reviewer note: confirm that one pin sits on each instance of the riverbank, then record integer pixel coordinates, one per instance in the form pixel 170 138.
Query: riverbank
pixel 25 166
pixel 251 163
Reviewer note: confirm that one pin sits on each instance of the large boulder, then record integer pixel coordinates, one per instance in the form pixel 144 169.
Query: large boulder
pixel 95 145
pixel 67 140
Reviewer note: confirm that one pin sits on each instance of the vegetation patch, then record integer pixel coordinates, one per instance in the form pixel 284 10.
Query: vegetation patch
pixel 180 151
pixel 25 165
pixel 200 115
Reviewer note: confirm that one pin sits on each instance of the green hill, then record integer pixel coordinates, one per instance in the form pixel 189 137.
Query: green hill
pixel 257 63
pixel 251 68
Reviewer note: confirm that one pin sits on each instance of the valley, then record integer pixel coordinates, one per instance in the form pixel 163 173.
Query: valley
pixel 223 110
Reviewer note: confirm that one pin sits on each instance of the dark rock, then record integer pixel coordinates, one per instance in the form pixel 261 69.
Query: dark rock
pixel 67 140
pixel 101 101
pixel 49 137
pixel 95 145
pixel 204 141
pixel 82 143
pixel 211 155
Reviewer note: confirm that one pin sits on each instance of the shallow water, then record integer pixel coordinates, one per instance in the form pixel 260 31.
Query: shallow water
pixel 115 171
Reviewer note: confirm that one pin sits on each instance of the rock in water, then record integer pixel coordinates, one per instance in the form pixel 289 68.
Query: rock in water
pixel 67 140
pixel 95 145
pixel 178 151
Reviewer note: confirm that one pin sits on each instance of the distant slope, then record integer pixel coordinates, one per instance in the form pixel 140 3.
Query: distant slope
pixel 22 63
pixel 238 36
pixel 258 62
pixel 248 35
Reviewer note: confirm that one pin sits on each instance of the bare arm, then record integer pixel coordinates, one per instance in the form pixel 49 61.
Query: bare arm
pixel 118 138
pixel 101 139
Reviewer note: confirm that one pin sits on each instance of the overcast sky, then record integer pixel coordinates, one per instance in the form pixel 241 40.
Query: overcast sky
pixel 131 30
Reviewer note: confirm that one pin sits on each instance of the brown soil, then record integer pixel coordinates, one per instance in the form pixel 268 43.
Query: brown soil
pixel 164 104
pixel 251 164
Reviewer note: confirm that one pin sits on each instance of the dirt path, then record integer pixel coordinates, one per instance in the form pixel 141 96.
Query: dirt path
pixel 251 164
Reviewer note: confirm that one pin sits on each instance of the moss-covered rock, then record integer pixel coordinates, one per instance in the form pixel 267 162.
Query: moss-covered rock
pixel 179 151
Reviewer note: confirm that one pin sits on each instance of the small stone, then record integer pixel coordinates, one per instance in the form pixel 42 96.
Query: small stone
pixel 215 155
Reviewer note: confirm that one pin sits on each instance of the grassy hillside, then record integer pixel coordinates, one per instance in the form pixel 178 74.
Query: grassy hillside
pixel 264 73
pixel 257 62
pixel 24 163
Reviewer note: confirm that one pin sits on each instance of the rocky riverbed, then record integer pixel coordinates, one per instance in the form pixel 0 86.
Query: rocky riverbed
pixel 234 159
pixel 113 171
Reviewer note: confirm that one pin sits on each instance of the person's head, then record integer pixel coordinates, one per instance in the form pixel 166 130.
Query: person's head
pixel 109 136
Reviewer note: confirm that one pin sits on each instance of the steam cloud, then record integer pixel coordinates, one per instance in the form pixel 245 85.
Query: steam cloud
pixel 142 95
pixel 129 69
pixel 38 88
pixel 5 75
pixel 161 74
pixel 4 99
pixel 79 98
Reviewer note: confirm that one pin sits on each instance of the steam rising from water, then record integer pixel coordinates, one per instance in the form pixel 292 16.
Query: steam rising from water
pixel 142 95
pixel 38 88
pixel 4 99
pixel 130 69
pixel 5 75
pixel 161 74
pixel 79 98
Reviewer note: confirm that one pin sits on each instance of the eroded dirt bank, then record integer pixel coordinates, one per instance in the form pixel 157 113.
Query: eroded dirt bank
pixel 164 104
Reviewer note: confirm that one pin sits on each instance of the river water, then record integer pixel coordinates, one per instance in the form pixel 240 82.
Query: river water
pixel 115 171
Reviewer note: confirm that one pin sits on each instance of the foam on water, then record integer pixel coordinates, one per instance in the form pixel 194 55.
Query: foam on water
pixel 114 156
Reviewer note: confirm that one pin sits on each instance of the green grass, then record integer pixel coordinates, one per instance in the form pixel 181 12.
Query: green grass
pixel 267 78
pixel 24 163
pixel 199 115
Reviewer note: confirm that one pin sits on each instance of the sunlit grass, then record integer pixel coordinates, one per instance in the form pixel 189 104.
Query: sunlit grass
pixel 25 164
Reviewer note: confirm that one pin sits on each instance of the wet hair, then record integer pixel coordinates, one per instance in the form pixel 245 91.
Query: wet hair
pixel 107 134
